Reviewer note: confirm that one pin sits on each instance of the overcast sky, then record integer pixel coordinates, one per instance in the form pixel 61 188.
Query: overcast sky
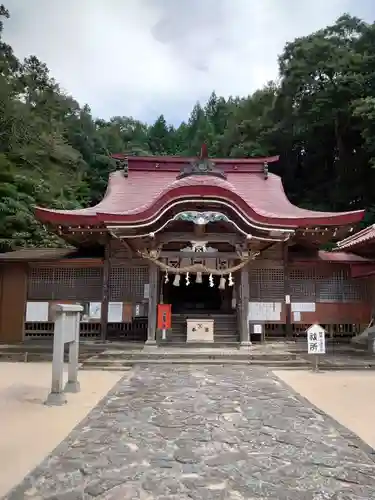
pixel 147 57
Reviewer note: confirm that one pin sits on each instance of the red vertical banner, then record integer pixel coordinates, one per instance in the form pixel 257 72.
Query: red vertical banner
pixel 164 316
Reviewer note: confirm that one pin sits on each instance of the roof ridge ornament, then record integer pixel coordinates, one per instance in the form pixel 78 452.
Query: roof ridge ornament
pixel 122 164
pixel 265 170
pixel 202 165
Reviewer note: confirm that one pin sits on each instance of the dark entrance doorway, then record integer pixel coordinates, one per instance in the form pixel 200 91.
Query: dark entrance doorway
pixel 197 297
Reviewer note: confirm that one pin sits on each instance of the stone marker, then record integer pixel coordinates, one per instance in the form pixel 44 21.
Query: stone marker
pixel 66 331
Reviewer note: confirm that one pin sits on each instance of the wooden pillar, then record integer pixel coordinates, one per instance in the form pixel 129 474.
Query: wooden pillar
pixel 13 298
pixel 244 307
pixel 152 304
pixel 287 297
pixel 105 290
pixel 237 282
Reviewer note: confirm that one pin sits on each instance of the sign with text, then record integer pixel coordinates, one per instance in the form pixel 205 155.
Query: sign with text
pixel 316 341
pixel 164 316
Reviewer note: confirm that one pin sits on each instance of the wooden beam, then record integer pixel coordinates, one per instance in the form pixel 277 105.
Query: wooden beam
pixel 244 306
pixel 198 255
pixel 199 231
pixel 105 290
pixel 128 247
pixel 288 307
pixel 152 304
pixel 231 238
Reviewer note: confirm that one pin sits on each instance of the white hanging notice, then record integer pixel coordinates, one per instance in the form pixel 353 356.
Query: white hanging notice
pixel 37 311
pixel 115 312
pixel 303 307
pixel 95 310
pixel 264 311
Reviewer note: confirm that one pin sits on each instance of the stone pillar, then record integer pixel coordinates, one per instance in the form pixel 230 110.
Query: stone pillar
pixel 66 331
pixel 152 305
pixel 244 292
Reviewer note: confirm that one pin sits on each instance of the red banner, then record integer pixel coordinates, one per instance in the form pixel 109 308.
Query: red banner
pixel 164 316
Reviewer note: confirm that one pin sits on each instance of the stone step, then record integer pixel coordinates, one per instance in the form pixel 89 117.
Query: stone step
pixel 182 344
pixel 274 365
pixel 35 357
pixel 117 364
pixel 151 356
pixel 84 347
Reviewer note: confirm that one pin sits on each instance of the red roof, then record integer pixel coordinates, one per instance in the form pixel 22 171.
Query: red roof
pixel 333 258
pixel 151 186
pixel 361 238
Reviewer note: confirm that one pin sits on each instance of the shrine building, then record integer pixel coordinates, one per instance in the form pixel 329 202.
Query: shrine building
pixel 187 250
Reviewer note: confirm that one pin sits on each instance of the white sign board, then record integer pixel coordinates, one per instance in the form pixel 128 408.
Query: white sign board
pixel 316 341
pixel 297 316
pixel 115 312
pixel 258 329
pixel 37 311
pixel 303 306
pixel 95 310
pixel 264 311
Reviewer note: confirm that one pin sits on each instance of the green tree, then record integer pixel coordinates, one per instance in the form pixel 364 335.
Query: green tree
pixel 319 116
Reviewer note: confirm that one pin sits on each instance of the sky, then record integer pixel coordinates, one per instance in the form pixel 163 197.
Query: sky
pixel 143 58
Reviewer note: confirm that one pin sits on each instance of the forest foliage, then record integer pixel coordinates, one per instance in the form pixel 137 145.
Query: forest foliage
pixel 319 117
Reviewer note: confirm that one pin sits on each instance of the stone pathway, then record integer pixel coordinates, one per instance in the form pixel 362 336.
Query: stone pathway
pixel 204 432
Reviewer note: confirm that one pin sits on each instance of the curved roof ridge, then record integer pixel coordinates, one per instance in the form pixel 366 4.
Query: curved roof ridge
pixel 140 196
pixel 186 181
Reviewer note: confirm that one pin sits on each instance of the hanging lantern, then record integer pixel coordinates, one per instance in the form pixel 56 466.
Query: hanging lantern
pixel 176 281
pixel 211 280
pixel 166 278
pixel 198 279
pixel 230 280
pixel 187 279
pixel 222 283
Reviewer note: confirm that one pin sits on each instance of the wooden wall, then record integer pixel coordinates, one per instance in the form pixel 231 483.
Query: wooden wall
pixel 338 299
pixel 13 296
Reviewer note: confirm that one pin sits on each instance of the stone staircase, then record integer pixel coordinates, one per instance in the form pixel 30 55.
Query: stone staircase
pixel 225 329
pixel 118 356
pixel 116 360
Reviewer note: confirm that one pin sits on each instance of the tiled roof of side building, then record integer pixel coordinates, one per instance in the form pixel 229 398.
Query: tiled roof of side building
pixel 37 254
pixel 356 240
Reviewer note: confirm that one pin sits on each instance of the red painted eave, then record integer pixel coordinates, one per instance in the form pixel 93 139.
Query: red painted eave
pixel 101 218
pixel 73 217
pixel 362 270
pixel 342 257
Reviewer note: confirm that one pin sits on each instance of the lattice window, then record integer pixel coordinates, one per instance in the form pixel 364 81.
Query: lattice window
pixel 337 286
pixel 355 290
pixel 266 284
pixel 127 283
pixel 329 286
pixel 302 284
pixel 64 283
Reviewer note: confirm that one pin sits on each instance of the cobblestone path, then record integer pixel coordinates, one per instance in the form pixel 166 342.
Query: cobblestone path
pixel 213 432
